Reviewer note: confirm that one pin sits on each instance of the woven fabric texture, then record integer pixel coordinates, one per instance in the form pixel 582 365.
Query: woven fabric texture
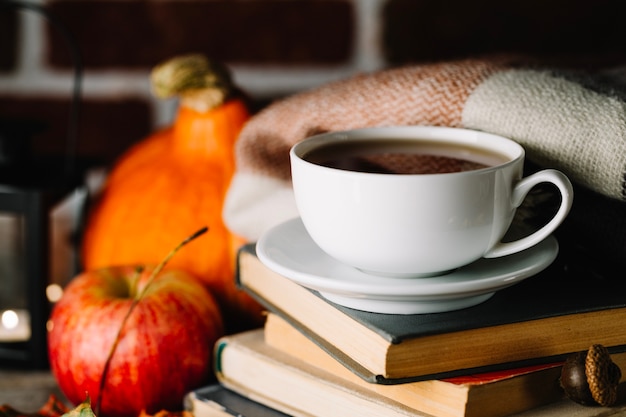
pixel 570 121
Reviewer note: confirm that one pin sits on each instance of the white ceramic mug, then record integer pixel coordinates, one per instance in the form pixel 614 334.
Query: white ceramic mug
pixel 417 224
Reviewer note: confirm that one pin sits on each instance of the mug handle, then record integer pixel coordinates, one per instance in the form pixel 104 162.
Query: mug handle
pixel 519 194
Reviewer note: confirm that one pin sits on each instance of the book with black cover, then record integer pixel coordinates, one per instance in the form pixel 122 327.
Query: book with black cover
pixel 215 400
pixel 565 308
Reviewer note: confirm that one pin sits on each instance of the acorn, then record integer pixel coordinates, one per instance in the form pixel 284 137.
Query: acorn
pixel 591 377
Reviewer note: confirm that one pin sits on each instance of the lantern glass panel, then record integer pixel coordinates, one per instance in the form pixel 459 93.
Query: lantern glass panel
pixel 14 316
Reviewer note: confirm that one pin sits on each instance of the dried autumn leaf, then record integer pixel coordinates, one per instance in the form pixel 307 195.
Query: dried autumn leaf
pixel 53 408
pixel 81 410
pixel 164 413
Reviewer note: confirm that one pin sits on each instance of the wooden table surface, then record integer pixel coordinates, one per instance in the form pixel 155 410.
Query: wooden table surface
pixel 27 391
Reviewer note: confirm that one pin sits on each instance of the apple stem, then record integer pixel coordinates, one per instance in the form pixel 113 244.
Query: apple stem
pixel 133 304
pixel 169 256
pixel 135 280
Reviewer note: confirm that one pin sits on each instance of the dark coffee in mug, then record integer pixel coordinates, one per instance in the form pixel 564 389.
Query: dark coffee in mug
pixel 399 156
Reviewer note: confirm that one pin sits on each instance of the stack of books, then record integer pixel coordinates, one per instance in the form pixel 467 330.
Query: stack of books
pixel 317 358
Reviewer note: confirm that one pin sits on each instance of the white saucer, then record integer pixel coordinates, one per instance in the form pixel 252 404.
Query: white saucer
pixel 288 250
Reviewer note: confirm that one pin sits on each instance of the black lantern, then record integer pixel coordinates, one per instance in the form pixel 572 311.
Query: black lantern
pixel 32 187
pixel 28 286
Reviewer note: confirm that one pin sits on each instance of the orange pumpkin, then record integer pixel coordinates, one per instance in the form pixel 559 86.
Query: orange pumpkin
pixel 172 183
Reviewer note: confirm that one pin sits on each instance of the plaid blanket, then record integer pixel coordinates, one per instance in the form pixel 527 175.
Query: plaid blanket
pixel 570 121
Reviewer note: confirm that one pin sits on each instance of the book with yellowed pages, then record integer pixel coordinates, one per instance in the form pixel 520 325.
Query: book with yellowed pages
pixel 493 394
pixel 245 364
pixel 563 309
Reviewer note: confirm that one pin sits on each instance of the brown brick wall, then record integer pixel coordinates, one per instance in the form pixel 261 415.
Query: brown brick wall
pixel 136 34
pixel 122 40
pixel 8 44
pixel 107 126
pixel 580 32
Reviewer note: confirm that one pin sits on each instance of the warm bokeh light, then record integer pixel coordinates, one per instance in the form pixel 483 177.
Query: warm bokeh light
pixel 14 326
pixel 9 319
pixel 54 292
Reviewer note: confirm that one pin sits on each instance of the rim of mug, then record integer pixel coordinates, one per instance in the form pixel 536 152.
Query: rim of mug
pixel 451 134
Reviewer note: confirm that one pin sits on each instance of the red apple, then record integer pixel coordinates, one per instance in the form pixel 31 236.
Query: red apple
pixel 164 350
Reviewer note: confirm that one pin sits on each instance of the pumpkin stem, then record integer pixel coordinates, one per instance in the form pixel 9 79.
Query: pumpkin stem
pixel 202 84
pixel 134 303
